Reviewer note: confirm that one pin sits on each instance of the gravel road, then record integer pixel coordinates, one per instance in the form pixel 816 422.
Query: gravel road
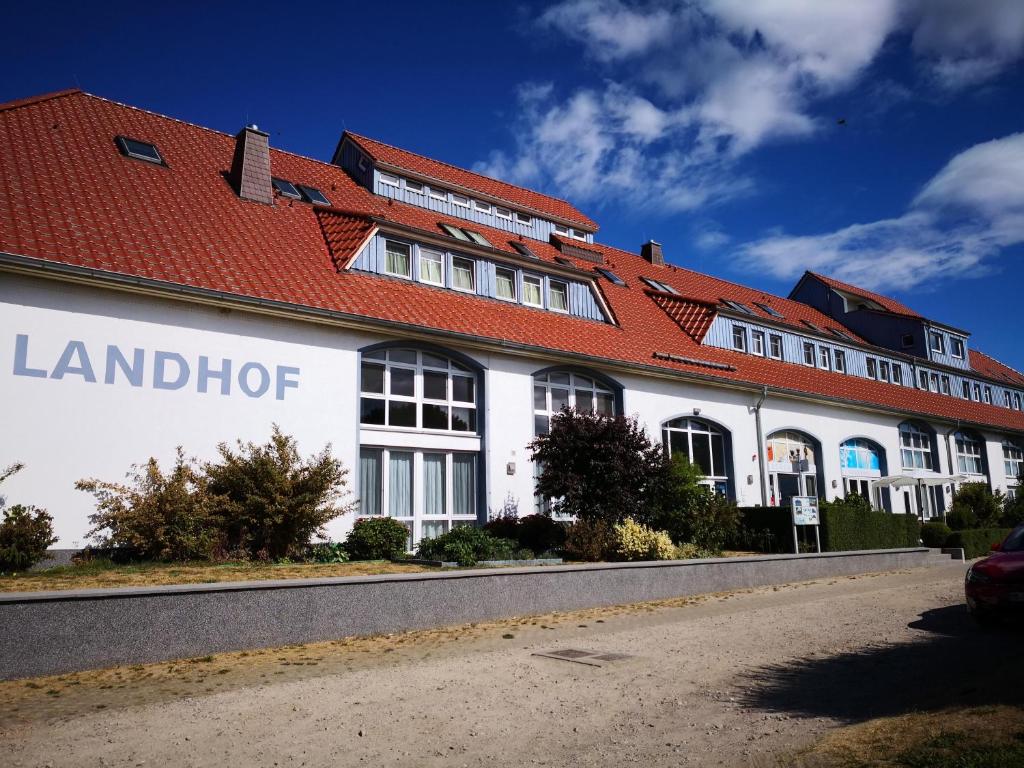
pixel 730 680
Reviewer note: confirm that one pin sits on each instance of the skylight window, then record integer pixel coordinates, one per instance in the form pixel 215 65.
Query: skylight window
pixel 611 276
pixel 286 188
pixel 140 150
pixel 313 195
pixel 767 310
pixel 738 306
pixel 477 238
pixel 564 261
pixel 455 232
pixel 841 334
pixel 523 249
pixel 812 326
pixel 660 286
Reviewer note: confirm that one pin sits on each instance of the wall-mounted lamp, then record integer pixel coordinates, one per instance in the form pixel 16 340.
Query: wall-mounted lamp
pixel 510 468
pixel 696 411
pixel 835 483
pixel 750 479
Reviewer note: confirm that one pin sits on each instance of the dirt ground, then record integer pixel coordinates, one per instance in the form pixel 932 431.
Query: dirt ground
pixel 740 679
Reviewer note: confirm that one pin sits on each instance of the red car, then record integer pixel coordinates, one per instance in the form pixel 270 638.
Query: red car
pixel 995 585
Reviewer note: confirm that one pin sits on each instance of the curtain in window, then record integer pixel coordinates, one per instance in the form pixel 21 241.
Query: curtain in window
pixel 433 528
pixel 430 266
pixel 370 481
pixel 462 274
pixel 433 484
pixel 396 258
pixel 400 484
pixel 505 285
pixel 464 484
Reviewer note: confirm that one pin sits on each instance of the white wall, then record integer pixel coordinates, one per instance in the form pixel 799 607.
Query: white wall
pixel 65 427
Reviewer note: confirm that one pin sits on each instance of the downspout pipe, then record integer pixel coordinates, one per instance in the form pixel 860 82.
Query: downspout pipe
pixel 762 465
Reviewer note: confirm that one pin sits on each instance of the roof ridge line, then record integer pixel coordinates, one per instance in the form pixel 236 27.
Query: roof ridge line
pixel 995 360
pixel 30 100
pixel 460 168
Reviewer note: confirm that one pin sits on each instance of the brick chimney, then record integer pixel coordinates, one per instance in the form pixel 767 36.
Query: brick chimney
pixel 250 168
pixel 652 252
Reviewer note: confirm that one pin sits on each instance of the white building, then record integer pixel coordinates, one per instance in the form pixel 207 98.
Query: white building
pixel 162 284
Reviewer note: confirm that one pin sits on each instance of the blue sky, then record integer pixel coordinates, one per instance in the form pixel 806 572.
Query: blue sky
pixel 711 127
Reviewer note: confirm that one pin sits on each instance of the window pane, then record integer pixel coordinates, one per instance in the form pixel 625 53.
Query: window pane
pixel 430 266
pixel 435 416
pixel 435 385
pixel 559 296
pixel 559 398
pixel 372 378
pixel 605 404
pixel 540 425
pixel 433 361
pixel 433 484
pixel 463 484
pixel 396 259
pixel 401 414
pixel 402 356
pixel 678 444
pixel 400 484
pixel 370 480
pixel 505 284
pixel 403 382
pixel 702 452
pixel 371 411
pixel 532 291
pixel 463 389
pixel 563 378
pixel 463 275
pixel 464 419
pixel 540 398
pixel 584 400
pixel 718 456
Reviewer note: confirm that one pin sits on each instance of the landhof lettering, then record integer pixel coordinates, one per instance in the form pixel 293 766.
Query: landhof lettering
pixel 167 370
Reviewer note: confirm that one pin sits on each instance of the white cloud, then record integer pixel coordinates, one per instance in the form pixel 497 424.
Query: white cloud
pixel 609 29
pixel 959 221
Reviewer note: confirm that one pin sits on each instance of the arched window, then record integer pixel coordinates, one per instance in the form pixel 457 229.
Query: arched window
pixel 702 444
pixel 793 466
pixel 861 461
pixel 437 485
pixel 416 389
pixel 969 449
pixel 915 446
pixel 793 447
pixel 555 390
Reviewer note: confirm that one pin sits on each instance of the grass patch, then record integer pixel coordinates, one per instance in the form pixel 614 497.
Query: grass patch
pixel 979 737
pixel 103 573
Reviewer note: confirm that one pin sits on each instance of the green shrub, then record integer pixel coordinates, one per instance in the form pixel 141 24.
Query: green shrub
pixel 764 529
pixel 634 541
pixel 590 540
pixel 975 506
pixel 977 541
pixel 503 527
pixel 270 502
pixel 691 512
pixel 466 545
pixel 376 538
pixel 1013 510
pixel 689 551
pixel 154 516
pixel 524 554
pixel 935 534
pixel 846 525
pixel 328 552
pixel 25 533
pixel 540 533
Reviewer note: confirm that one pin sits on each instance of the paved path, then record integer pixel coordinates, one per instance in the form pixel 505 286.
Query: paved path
pixel 725 680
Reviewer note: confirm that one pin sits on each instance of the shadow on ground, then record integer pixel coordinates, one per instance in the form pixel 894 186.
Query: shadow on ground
pixel 954 663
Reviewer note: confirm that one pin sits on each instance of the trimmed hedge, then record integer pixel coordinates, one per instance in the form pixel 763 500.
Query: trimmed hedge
pixel 977 542
pixel 843 530
pixel 755 522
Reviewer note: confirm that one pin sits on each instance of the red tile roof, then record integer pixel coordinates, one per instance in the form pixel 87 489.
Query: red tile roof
pixel 69 197
pixel 450 174
pixel 694 317
pixel 888 304
pixel 989 366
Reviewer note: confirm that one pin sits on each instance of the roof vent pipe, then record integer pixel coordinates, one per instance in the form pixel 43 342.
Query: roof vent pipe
pixel 651 251
pixel 250 167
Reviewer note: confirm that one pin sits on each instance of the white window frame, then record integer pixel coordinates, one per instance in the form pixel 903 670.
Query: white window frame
pixel 915 442
pixel 956 347
pixel 561 229
pixel 872 368
pixel 503 213
pixel 409 256
pixel 739 338
pixel 1013 461
pixel 439 194
pixel 884 371
pixel 933 337
pixel 551 293
pixel 977 392
pixel 922 380
pixel 987 394
pixel 390 179
pixel 693 426
pixel 969 454
pixel 757 343
pixel 933 382
pixel 535 281
pixel 472 274
pixel 578 235
pixel 411 186
pixel 524 218
pixel 945 385
pixel 515 284
pixel 812 353
pixel 825 358
pixel 460 200
pixel 897 374
pixel 440 264
pixel 481 206
pixel 773 340
pixel 840 361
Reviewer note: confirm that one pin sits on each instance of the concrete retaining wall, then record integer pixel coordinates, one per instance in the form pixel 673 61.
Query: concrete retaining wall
pixel 56 632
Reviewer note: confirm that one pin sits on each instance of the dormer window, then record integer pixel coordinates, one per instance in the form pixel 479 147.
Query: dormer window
pixel 463 274
pixel 558 296
pixel 503 213
pixel 937 345
pixel 313 195
pixel 956 348
pixel 286 188
pixel 390 179
pixel 460 200
pixel 414 186
pixel 439 194
pixel 533 291
pixel 579 235
pixel 561 229
pixel 140 150
pixel 505 283
pixel 525 219
pixel 482 207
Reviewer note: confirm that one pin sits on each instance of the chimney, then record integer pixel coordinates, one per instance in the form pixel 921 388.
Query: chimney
pixel 652 252
pixel 250 168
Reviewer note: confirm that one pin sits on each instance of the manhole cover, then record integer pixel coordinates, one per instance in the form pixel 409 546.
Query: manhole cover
pixel 590 658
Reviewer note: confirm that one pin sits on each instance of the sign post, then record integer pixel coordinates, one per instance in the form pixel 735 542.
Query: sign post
pixel 805 512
